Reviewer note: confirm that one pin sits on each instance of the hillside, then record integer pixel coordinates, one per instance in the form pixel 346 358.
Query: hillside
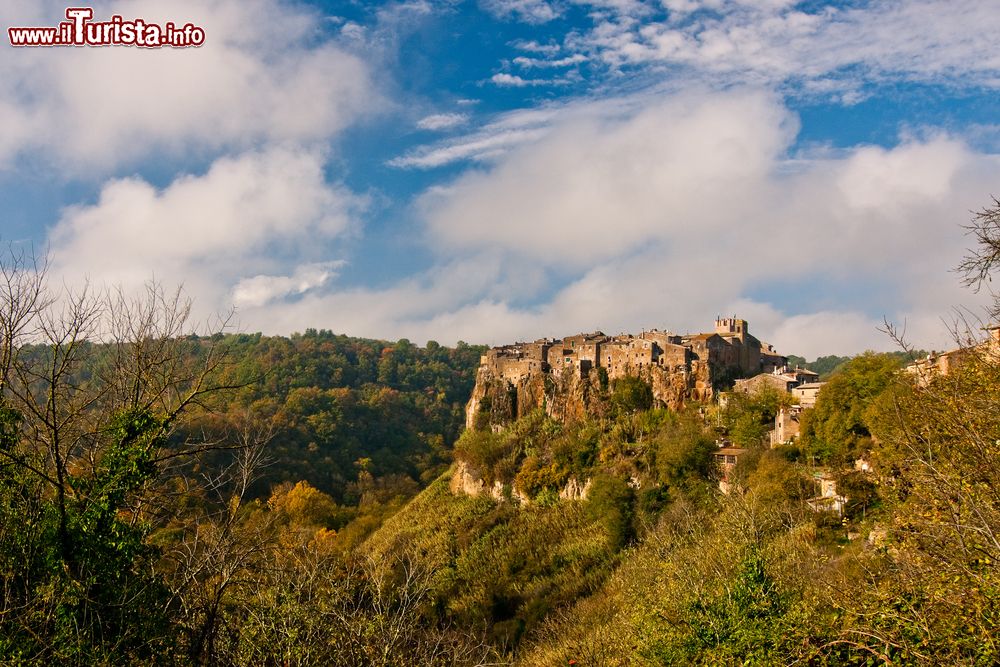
pixel 651 565
pixel 325 406
pixel 238 500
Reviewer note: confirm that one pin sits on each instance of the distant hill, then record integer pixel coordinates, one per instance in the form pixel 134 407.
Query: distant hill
pixel 338 404
pixel 831 364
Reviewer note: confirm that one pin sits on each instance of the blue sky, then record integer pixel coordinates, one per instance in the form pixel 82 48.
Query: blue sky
pixel 508 169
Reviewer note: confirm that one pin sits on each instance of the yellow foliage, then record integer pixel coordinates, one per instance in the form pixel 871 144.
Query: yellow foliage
pixel 303 504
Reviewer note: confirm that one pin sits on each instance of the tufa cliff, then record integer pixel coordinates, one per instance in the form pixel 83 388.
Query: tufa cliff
pixel 570 377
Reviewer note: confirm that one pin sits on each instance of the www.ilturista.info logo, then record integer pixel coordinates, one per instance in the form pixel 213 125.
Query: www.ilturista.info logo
pixel 79 30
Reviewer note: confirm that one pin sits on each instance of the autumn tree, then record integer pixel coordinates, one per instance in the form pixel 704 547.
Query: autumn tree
pixel 92 387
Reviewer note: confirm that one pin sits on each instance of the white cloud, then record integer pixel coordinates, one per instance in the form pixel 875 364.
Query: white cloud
pixel 223 233
pixel 482 147
pixel 513 81
pixel 568 61
pixel 533 46
pixel 264 74
pixel 948 42
pixel 651 211
pixel 528 11
pixel 488 142
pixel 442 121
pixel 261 290
pixel 507 131
pixel 669 213
pixel 624 8
pixel 597 187
pixel 681 6
pixel 663 216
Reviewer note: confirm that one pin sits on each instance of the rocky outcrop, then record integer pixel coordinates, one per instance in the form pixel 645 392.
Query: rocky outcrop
pixel 569 377
pixel 465 479
pixel 574 490
pixel 497 400
pixel 568 395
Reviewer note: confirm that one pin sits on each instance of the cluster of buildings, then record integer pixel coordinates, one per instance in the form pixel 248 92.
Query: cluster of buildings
pixel 730 348
pixel 560 374
pixel 803 385
pixel 941 363
pixel 679 366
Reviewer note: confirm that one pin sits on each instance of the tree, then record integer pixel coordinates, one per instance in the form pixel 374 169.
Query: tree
pixel 86 432
pixel 933 597
pixel 982 261
pixel 631 394
pixel 837 429
pixel 749 417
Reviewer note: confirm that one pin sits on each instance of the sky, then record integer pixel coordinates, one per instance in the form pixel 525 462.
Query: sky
pixel 501 170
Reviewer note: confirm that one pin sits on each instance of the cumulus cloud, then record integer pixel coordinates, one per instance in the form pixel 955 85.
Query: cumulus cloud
pixel 669 213
pixel 265 73
pixel 665 215
pixel 223 233
pixel 598 187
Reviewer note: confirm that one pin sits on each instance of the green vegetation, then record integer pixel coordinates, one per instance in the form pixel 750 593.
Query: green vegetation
pixel 748 417
pixel 830 365
pixel 757 579
pixel 328 402
pixel 630 394
pixel 605 541
pixel 838 429
pixel 167 498
pixel 134 473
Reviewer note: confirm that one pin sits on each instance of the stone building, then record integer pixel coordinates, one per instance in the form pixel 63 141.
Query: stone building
pixel 679 368
pixel 780 378
pixel 942 363
pixel 786 425
pixel 807 393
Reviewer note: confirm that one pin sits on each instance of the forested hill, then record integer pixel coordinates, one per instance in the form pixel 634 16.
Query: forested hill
pixel 334 406
pixel 832 364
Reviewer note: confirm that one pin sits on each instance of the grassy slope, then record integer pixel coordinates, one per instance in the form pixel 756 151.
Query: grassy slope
pixel 498 566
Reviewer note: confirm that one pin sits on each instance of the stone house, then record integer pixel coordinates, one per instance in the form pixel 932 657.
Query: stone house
pixel 807 393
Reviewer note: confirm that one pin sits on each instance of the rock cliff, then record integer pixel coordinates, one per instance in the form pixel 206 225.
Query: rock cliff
pixel 567 395
pixel 570 377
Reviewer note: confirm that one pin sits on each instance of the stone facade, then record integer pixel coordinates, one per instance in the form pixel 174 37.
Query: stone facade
pixel 942 363
pixel 563 375
pixel 786 425
pixel 807 393
pixel 781 379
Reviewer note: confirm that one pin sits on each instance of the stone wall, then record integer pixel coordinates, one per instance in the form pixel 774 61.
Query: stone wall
pixel 569 377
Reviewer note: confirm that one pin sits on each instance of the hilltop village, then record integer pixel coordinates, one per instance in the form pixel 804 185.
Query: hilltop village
pixel 561 374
